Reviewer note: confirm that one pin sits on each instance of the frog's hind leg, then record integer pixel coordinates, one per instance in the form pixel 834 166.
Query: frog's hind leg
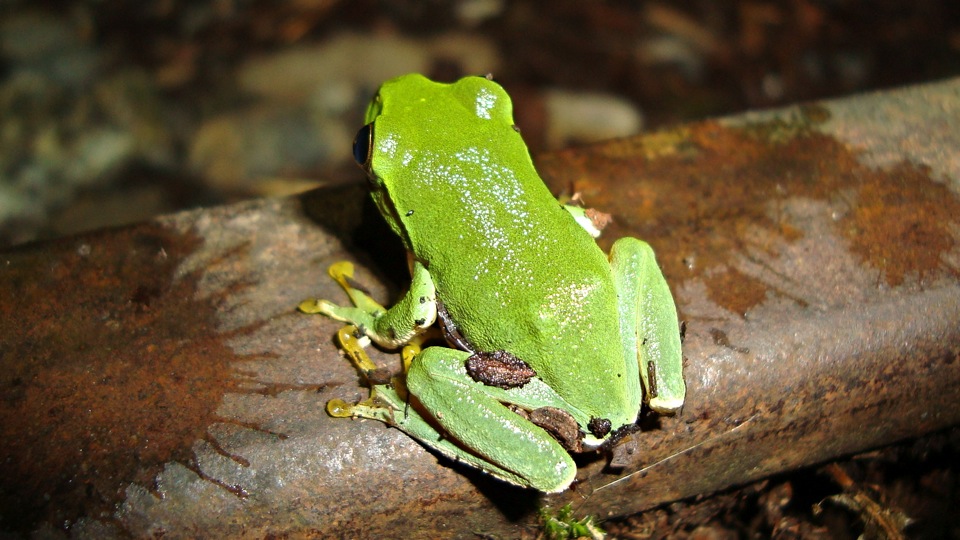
pixel 497 440
pixel 648 322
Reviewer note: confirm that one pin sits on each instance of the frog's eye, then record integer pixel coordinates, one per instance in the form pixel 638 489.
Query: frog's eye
pixel 362 145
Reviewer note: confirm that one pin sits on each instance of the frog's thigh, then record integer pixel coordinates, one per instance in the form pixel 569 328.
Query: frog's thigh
pixel 479 421
pixel 398 412
pixel 648 319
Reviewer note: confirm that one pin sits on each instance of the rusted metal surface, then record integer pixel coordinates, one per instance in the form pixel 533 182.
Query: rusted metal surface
pixel 157 380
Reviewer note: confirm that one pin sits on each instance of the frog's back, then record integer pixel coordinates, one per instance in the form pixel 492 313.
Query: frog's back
pixel 513 268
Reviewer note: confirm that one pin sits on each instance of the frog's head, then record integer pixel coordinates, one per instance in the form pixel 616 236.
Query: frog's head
pixel 412 145
pixel 363 154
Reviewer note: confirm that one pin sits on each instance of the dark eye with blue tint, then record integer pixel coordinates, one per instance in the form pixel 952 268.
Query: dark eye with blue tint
pixel 361 145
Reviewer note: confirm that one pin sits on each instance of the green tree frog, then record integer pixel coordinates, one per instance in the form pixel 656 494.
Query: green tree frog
pixel 551 344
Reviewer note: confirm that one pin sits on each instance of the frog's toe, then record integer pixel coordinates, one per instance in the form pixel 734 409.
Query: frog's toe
pixel 666 405
pixel 339 408
pixel 341 269
pixel 311 306
pixel 368 408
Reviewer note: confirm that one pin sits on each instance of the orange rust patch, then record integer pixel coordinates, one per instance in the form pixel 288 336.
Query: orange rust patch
pixel 116 370
pixel 723 181
pixel 735 291
pixel 900 225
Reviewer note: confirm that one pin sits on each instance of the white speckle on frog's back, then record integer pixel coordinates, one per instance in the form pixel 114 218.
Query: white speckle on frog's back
pixel 388 146
pixel 568 304
pixel 499 211
pixel 492 210
pixel 486 101
pixel 517 271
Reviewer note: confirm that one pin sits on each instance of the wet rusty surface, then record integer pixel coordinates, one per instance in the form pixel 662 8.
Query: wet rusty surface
pixel 158 382
pixel 99 391
pixel 717 191
pixel 116 368
pixel 817 274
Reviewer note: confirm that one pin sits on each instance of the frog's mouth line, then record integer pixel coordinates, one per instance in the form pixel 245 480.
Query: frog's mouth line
pixel 386 207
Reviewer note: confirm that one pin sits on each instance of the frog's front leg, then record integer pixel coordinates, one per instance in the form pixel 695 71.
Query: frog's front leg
pixel 649 329
pixel 410 316
pixel 591 220
pixel 485 432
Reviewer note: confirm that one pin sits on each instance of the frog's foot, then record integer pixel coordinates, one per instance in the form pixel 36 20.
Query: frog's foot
pixel 367 408
pixel 390 328
pixel 590 219
pixel 385 404
pixel 342 273
pixel 366 310
pixel 413 347
pixel 352 342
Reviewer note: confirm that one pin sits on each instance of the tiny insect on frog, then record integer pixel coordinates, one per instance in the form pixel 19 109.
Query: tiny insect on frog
pixel 553 345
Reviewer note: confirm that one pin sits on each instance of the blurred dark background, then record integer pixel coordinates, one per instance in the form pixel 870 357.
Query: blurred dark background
pixel 116 111
pixel 112 112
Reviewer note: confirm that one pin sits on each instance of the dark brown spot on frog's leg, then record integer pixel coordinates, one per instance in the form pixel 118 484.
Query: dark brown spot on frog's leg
pixel 599 427
pixel 500 369
pixel 561 425
pixel 652 380
pixel 419 322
